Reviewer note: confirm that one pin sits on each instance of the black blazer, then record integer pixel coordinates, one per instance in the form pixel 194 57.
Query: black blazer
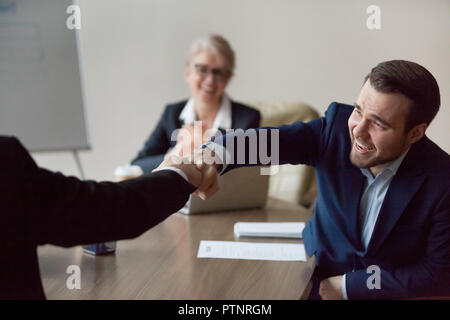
pixel 159 142
pixel 41 207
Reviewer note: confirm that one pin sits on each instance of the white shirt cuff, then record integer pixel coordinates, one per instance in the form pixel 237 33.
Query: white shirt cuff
pixel 177 170
pixel 344 289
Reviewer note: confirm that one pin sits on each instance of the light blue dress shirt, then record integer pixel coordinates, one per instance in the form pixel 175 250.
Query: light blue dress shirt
pixel 371 200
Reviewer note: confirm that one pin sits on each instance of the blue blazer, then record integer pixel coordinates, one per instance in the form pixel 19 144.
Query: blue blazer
pixel 159 142
pixel 411 239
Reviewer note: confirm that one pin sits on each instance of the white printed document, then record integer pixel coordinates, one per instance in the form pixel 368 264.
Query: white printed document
pixel 252 250
pixel 269 229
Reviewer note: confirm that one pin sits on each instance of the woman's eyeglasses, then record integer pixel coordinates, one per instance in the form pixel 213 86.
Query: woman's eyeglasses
pixel 219 74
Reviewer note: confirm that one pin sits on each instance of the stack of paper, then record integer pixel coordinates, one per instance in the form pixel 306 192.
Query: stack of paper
pixel 269 229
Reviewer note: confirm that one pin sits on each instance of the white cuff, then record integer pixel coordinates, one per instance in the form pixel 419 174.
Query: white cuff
pixel 344 289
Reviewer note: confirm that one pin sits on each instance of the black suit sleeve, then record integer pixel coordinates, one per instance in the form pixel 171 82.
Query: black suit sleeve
pixel 155 148
pixel 65 211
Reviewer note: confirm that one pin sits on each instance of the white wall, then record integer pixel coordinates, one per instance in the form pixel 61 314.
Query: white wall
pixel 290 50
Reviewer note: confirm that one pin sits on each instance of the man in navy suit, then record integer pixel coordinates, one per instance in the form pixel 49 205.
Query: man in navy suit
pixel 381 227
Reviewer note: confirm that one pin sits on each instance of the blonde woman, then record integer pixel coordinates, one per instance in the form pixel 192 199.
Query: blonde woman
pixel 209 68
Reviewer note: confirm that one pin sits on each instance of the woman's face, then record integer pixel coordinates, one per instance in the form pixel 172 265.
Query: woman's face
pixel 207 76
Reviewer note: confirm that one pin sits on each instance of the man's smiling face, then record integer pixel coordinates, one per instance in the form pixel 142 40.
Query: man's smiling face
pixel 377 128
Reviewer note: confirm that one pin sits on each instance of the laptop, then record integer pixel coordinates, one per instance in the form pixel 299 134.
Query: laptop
pixel 242 188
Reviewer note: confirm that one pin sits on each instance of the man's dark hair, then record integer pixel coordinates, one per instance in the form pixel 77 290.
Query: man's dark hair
pixel 413 81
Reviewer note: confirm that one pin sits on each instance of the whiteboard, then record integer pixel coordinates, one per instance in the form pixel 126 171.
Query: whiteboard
pixel 41 89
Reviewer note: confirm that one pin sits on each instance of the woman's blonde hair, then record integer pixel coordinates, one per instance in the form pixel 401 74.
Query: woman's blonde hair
pixel 218 45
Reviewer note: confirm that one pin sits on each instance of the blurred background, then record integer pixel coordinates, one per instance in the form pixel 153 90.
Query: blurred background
pixel 288 50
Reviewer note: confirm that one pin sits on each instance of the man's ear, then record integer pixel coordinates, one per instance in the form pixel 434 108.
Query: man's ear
pixel 417 132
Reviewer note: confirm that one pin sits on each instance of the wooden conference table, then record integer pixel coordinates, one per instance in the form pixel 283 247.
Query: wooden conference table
pixel 162 263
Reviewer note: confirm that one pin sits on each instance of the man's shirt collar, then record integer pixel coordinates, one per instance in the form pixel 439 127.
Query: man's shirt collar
pixel 392 168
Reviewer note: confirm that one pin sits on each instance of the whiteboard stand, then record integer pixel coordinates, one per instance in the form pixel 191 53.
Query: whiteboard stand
pixel 78 163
